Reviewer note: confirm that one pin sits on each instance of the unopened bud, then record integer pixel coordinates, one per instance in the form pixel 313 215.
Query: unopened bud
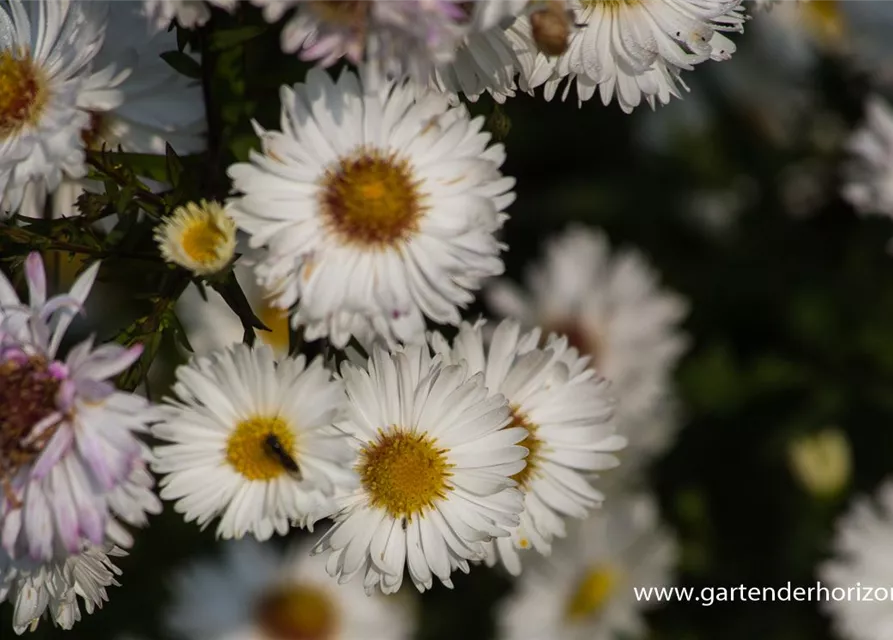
pixel 551 27
pixel 821 462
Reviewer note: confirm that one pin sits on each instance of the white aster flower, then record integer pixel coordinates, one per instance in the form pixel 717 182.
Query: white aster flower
pixel 252 442
pixel 67 436
pixel 47 51
pixel 565 409
pixel 869 176
pixel 200 237
pixel 638 48
pixel 496 49
pixel 211 324
pixel 610 307
pixel 585 590
pixel 35 589
pixel 377 217
pixel 406 37
pixel 256 593
pixel 136 102
pixel 861 558
pixel 435 465
pixel 187 13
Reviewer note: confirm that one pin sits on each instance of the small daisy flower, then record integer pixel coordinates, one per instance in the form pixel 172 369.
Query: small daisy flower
pixel 187 13
pixel 565 409
pixel 254 592
pixel 210 324
pixel 68 438
pixel 585 590
pixel 610 307
pixel 47 51
pixel 435 465
pixel 376 220
pixel 869 175
pixel 252 442
pixel 200 237
pixel 36 589
pixel 638 48
pixel 861 551
pixel 406 37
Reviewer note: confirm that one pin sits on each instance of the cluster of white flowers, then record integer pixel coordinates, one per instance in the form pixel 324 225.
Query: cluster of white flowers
pixel 374 211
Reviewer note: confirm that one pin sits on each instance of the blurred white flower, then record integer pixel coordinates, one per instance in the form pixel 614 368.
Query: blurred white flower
pixel 372 222
pixel 252 442
pixel 610 306
pixel 256 593
pixel 585 590
pixel 636 50
pixel 187 13
pixel 435 457
pixel 47 55
pixel 869 175
pixel 861 558
pixel 565 409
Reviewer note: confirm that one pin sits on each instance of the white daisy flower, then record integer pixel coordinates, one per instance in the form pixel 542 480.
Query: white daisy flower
pixel 47 51
pixel 200 237
pixel 611 308
pixel 636 48
pixel 435 465
pixel 252 442
pixel 869 176
pixel 137 102
pixel 377 218
pixel 254 593
pixel 36 589
pixel 68 438
pixel 585 590
pixel 861 558
pixel 406 37
pixel 187 13
pixel 495 50
pixel 565 409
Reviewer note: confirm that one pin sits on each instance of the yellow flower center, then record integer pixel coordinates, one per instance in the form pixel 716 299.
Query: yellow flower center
pixel 248 450
pixel 27 395
pixel 23 92
pixel 297 612
pixel 371 200
pixel 199 236
pixel 533 445
pixel 277 320
pixel 592 593
pixel 404 473
pixel 825 20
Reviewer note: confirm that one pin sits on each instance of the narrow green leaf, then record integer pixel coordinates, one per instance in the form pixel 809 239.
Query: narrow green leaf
pixel 173 165
pixel 183 63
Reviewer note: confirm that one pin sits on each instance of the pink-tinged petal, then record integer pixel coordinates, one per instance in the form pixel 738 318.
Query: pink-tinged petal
pixel 43 425
pixel 8 296
pixel 79 291
pixel 12 526
pixel 63 509
pixel 36 277
pixel 57 303
pixel 57 447
pixel 93 452
pixel 38 523
pixel 93 390
pixel 65 396
pixel 91 516
pixel 58 370
pixel 105 363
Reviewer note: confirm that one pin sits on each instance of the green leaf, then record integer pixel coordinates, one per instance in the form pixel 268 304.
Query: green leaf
pixel 184 36
pixel 173 165
pixel 233 37
pixel 183 63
